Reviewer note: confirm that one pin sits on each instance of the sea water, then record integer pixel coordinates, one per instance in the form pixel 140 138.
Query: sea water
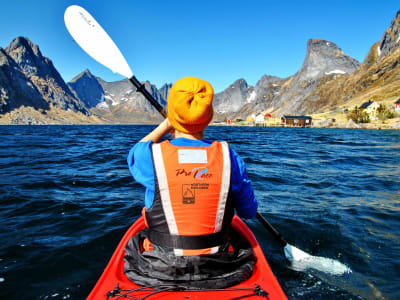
pixel 67 197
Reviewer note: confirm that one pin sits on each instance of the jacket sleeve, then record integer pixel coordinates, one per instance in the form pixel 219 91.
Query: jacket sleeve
pixel 140 165
pixel 242 192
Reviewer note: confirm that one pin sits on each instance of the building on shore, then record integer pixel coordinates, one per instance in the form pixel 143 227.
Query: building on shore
pixel 259 118
pixel 397 106
pixel 370 107
pixel 297 121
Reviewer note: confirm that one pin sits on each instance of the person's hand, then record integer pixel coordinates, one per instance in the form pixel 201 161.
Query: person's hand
pixel 157 134
pixel 168 127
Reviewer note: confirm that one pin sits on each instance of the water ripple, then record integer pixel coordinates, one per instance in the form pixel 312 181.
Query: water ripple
pixel 66 198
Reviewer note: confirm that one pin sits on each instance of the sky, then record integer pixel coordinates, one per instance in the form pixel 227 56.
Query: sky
pixel 219 41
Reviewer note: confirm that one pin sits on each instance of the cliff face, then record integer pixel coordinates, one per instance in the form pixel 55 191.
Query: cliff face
pixel 286 96
pixel 164 91
pixel 29 79
pixel 17 89
pixel 391 38
pixel 87 88
pixel 233 98
pixel 325 58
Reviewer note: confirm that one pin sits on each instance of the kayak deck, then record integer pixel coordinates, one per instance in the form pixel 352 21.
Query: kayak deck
pixel 113 284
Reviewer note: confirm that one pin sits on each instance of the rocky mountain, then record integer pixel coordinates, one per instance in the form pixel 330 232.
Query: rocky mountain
pixel 325 58
pixel 391 38
pixel 87 88
pixel 164 90
pixel 328 80
pixel 122 104
pixel 16 89
pixel 285 96
pixel 117 102
pixel 30 80
pixel 123 94
pixel 233 98
pixel 27 78
pixel 103 95
pixel 377 79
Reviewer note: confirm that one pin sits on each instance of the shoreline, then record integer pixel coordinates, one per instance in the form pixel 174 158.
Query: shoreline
pixel 361 126
pixel 339 126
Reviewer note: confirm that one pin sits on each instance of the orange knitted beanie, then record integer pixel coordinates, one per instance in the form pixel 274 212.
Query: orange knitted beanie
pixel 190 104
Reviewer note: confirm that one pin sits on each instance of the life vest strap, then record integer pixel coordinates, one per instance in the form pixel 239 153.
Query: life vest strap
pixel 187 241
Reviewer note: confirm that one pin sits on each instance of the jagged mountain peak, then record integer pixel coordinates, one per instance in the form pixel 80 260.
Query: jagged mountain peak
pixel 239 83
pixel 31 61
pixel 84 74
pixel 268 80
pixel 391 38
pixel 87 88
pixel 25 43
pixel 27 55
pixel 318 44
pixel 233 98
pixel 32 80
pixel 164 90
pixel 324 58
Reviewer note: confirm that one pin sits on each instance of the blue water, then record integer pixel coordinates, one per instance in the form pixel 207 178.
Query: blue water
pixel 66 199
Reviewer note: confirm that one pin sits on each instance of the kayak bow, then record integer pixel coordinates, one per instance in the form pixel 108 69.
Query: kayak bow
pixel 113 284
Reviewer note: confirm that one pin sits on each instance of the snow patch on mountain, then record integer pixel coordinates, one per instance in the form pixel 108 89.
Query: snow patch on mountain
pixel 335 72
pixel 251 97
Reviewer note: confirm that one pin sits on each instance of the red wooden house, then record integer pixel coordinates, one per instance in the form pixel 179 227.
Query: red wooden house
pixel 397 106
pixel 300 121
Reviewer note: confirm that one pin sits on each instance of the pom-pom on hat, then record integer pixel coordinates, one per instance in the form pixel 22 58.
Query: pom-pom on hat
pixel 190 104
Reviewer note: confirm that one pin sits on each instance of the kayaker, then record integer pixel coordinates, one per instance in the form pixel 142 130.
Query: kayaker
pixel 192 185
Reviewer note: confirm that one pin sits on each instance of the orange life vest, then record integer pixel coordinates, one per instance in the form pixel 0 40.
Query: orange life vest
pixel 191 212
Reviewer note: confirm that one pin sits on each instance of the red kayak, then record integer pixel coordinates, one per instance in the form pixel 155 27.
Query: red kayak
pixel 113 284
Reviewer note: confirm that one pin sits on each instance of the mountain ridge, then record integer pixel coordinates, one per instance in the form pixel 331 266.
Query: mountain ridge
pixel 328 79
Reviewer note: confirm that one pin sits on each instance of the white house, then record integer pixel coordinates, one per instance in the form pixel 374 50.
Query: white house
pixel 370 107
pixel 259 118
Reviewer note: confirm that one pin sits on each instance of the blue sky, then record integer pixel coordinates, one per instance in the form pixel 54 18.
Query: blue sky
pixel 220 41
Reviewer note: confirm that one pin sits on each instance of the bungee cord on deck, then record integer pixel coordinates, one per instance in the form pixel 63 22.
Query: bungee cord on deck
pixel 125 293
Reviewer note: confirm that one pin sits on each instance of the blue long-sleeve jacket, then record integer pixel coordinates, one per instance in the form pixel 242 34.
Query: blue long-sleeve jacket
pixel 141 167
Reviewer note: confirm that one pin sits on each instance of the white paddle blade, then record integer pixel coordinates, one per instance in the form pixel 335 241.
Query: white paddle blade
pixel 301 261
pixel 92 38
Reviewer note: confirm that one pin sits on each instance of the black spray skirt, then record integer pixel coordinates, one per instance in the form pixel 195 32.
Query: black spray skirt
pixel 211 271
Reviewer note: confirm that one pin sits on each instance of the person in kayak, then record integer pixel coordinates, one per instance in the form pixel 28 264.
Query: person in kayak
pixel 192 185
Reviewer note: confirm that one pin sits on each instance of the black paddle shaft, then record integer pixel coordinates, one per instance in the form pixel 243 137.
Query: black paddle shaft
pixel 142 89
pixel 271 229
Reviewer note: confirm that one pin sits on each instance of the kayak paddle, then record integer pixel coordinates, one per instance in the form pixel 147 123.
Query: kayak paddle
pixel 92 38
pixel 301 260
